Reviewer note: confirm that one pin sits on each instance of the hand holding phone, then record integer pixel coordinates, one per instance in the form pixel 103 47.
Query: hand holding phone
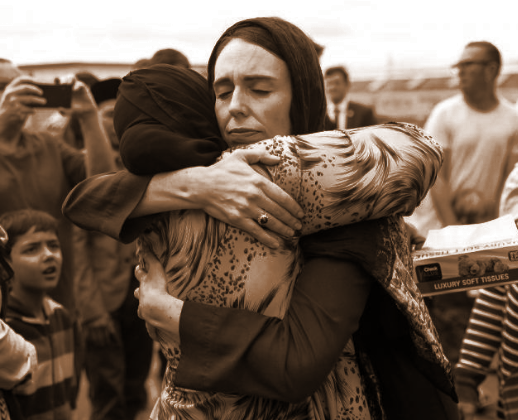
pixel 57 95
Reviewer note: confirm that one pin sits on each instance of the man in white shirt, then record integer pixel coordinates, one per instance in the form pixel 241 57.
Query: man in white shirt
pixel 478 130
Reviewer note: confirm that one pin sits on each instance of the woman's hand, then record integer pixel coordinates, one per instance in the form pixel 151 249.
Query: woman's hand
pixel 236 194
pixel 230 191
pixel 159 309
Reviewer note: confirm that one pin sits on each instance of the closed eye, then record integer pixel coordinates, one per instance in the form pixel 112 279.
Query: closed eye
pixel 261 92
pixel 223 95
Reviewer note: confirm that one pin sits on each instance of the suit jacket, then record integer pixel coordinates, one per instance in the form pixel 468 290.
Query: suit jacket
pixel 358 115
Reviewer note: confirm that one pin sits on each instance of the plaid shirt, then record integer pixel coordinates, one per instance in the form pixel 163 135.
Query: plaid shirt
pixel 50 394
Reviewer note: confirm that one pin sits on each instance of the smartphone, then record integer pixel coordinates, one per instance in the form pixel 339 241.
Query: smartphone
pixel 57 95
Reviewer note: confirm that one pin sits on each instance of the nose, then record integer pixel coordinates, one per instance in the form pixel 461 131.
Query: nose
pixel 48 253
pixel 239 103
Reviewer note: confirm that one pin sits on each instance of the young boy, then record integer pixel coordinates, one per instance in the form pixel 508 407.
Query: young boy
pixel 35 256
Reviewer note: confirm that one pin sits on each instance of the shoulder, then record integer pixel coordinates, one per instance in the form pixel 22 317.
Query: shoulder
pixel 55 310
pixel 443 112
pixel 507 107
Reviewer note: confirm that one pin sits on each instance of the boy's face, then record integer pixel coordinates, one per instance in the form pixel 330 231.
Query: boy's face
pixel 36 260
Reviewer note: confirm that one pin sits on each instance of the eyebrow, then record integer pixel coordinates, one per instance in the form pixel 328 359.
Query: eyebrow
pixel 251 78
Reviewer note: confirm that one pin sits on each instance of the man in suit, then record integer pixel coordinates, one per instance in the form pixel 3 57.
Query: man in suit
pixel 343 113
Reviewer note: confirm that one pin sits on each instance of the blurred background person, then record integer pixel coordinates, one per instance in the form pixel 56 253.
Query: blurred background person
pixel 18 358
pixel 72 133
pixel 37 169
pixel 34 253
pixel 163 56
pixel 170 56
pixel 342 113
pixel 118 349
pixel 490 341
pixel 478 130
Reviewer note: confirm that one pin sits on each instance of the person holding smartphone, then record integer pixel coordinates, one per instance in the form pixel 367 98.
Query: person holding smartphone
pixel 37 168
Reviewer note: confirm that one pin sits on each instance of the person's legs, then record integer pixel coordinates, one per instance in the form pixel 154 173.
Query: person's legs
pixel 104 367
pixel 138 349
pixel 450 314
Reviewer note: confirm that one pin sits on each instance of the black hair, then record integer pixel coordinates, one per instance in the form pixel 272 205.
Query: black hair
pixel 297 50
pixel 19 222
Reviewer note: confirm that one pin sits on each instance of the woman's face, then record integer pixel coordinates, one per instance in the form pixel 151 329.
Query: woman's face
pixel 253 94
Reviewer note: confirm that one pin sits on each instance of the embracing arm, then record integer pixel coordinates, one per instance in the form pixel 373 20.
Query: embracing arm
pixel 115 203
pixel 231 350
pixel 285 359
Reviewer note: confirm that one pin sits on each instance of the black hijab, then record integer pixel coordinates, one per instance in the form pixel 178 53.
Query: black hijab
pixel 297 50
pixel 164 118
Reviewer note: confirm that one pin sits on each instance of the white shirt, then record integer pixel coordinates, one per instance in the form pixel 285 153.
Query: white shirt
pixel 342 117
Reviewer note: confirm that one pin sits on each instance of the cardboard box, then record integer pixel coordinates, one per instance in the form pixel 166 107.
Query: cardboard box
pixel 476 256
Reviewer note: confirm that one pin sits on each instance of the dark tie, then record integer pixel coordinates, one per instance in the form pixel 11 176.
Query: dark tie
pixel 337 116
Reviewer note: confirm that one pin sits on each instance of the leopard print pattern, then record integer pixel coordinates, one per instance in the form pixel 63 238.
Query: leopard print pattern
pixel 336 179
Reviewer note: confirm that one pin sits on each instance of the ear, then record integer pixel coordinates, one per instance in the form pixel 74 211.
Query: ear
pixel 492 70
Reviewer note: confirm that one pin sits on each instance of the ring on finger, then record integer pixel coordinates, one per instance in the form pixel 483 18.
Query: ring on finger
pixel 263 219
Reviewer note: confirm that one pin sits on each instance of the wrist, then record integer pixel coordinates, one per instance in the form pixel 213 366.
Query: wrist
pixel 183 189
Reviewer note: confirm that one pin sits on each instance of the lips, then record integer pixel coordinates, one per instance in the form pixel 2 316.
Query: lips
pixel 244 135
pixel 242 131
pixel 50 270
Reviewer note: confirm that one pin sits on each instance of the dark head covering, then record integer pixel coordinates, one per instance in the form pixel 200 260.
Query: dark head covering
pixel 164 118
pixel 104 90
pixel 297 50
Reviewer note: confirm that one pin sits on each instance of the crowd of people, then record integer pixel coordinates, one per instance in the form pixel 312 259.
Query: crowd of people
pixel 258 225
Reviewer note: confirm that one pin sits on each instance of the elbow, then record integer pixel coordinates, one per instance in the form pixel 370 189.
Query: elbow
pixel 300 382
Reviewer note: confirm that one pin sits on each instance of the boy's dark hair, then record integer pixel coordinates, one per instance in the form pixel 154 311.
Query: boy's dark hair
pixel 19 222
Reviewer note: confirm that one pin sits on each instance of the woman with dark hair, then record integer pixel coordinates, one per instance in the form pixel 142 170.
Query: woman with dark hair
pixel 242 73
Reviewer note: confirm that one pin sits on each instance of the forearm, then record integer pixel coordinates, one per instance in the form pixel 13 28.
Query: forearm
pixel 105 202
pixel 170 191
pixel 442 202
pixel 231 350
pixel 441 193
pixel 18 357
pixel 99 155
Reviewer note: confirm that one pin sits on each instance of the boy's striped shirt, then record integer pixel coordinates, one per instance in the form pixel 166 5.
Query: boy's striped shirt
pixel 50 393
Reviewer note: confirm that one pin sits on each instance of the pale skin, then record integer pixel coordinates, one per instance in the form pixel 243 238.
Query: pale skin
pixel 336 87
pixel 17 104
pixel 36 260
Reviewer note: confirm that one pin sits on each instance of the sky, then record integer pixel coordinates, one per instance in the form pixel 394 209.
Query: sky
pixel 365 35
